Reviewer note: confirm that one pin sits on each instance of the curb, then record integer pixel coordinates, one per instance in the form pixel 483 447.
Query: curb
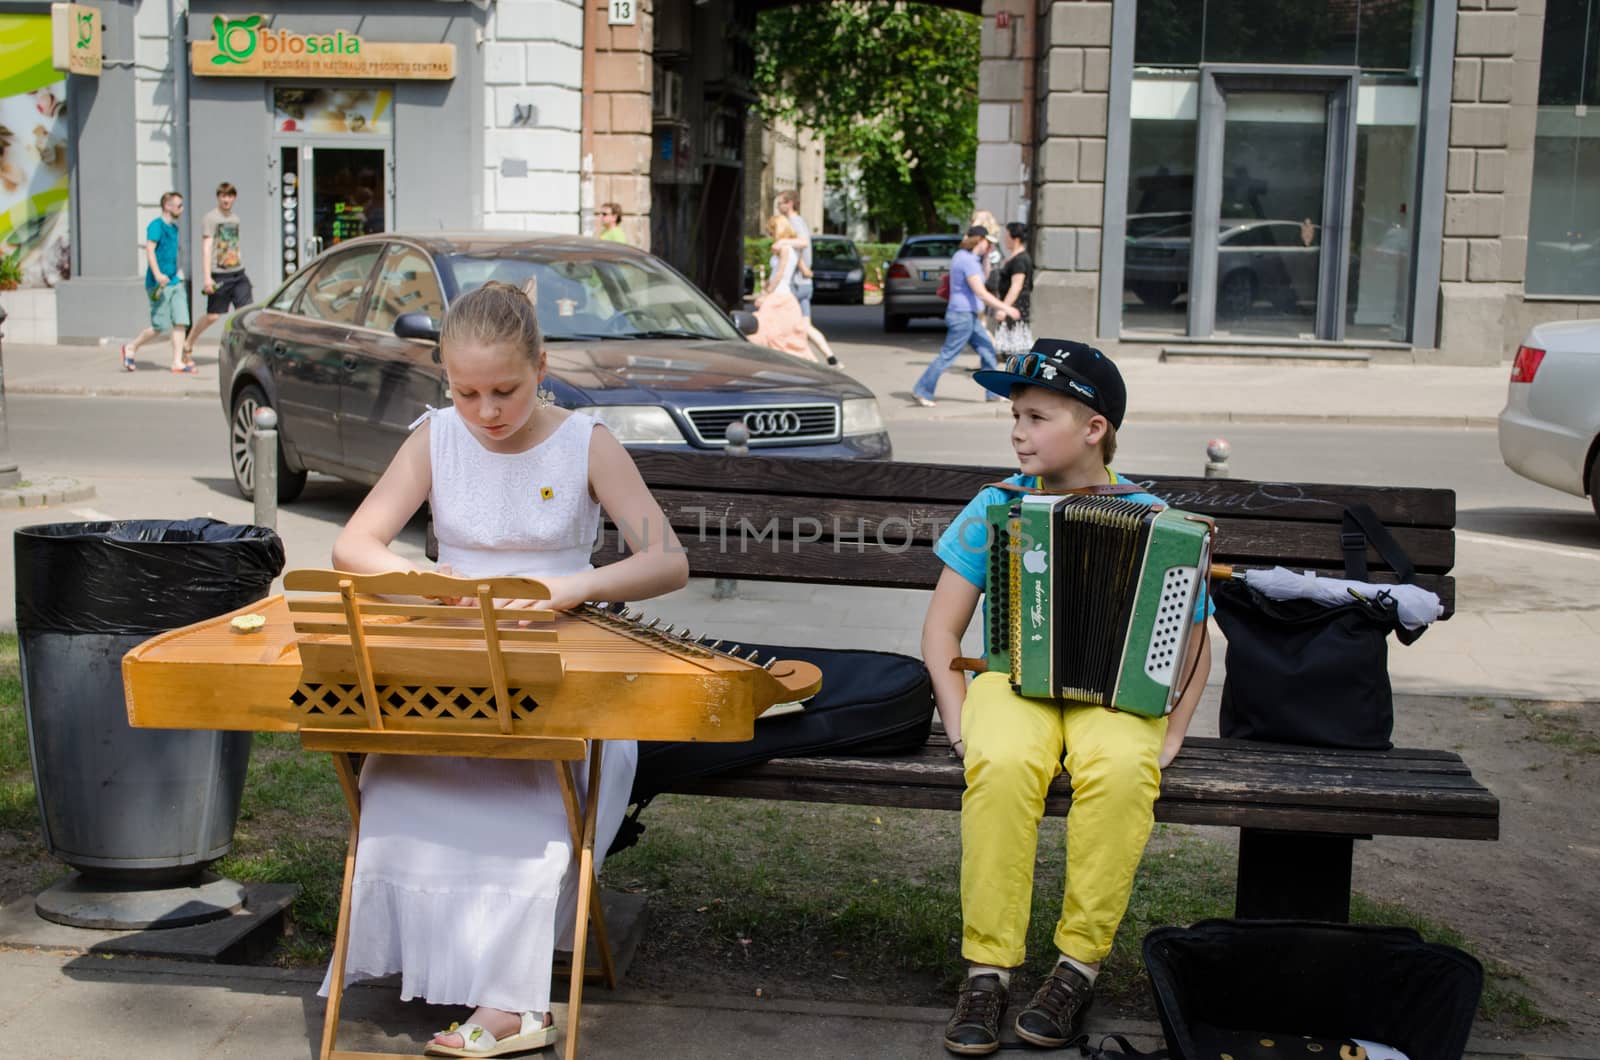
pixel 79 390
pixel 1291 418
pixel 53 489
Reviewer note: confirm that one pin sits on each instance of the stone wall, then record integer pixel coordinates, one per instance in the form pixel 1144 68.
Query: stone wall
pixel 619 169
pixel 1073 100
pixel 1006 132
pixel 533 77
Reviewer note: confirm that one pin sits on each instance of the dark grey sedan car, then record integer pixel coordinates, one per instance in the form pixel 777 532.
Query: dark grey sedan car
pixel 344 352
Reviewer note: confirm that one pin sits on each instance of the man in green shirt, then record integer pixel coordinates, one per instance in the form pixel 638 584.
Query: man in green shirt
pixel 610 216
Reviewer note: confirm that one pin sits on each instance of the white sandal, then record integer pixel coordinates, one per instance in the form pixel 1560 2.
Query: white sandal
pixel 476 1041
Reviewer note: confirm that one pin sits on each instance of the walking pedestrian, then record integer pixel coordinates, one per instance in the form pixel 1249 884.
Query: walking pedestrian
pixel 781 326
pixel 1016 289
pixel 163 283
pixel 223 279
pixel 789 210
pixel 968 296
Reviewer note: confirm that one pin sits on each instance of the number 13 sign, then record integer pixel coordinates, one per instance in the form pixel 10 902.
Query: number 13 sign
pixel 622 13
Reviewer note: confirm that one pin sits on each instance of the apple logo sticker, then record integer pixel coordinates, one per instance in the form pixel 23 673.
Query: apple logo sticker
pixel 1034 560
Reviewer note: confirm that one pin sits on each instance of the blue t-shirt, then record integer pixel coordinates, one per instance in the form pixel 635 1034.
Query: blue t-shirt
pixel 164 234
pixel 964 264
pixel 964 545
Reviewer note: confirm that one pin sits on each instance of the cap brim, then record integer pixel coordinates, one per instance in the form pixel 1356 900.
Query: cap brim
pixel 997 382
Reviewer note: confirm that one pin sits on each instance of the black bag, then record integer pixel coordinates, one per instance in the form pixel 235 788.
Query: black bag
pixel 871 703
pixel 1303 673
pixel 1222 986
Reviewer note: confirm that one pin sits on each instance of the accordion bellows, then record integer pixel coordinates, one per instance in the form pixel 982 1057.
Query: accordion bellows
pixel 1091 598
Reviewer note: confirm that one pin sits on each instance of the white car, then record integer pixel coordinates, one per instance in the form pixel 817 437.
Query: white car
pixel 1550 427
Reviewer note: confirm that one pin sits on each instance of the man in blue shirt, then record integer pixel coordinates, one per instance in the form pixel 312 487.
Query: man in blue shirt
pixel 163 283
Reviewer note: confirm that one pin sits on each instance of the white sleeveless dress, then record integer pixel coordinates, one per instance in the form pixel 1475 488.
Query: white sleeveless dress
pixel 465 881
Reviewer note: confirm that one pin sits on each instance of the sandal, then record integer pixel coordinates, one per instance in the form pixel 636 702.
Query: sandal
pixel 189 367
pixel 128 363
pixel 478 1042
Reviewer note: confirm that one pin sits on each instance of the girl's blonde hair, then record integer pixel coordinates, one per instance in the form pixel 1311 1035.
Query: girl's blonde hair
pixel 986 219
pixel 778 227
pixel 496 314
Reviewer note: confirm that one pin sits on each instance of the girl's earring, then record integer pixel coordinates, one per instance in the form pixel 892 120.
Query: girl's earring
pixel 546 396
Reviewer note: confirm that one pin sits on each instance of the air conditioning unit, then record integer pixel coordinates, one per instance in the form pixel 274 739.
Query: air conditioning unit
pixel 667 95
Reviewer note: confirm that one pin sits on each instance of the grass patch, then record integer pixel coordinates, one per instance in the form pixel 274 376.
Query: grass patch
pixel 19 807
pixel 1558 728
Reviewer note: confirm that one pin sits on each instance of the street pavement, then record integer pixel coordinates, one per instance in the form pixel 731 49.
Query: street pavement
pixel 73 1004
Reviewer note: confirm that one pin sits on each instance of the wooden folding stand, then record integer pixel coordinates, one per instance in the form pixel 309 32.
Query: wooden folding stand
pixel 437 660
pixel 452 674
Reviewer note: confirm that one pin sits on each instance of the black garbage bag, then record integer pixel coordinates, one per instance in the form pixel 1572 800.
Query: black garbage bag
pixel 1227 986
pixel 139 576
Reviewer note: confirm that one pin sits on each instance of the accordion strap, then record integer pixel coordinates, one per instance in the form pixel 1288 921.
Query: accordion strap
pixel 1118 489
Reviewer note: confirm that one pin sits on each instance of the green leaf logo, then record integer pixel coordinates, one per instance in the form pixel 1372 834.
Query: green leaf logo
pixel 236 39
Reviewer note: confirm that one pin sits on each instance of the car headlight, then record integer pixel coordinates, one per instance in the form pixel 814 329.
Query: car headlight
pixel 637 424
pixel 861 416
pixel 852 276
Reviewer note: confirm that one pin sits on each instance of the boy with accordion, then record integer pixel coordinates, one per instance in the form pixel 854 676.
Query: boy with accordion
pixel 1104 687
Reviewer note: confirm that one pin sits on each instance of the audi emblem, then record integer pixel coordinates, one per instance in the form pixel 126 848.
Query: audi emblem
pixel 772 424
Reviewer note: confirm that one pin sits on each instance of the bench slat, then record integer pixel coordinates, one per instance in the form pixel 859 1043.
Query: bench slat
pixel 862 526
pixel 820 563
pixel 1397 506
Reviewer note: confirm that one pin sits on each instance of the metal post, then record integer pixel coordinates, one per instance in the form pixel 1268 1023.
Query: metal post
pixel 9 474
pixel 1217 453
pixel 265 443
pixel 738 436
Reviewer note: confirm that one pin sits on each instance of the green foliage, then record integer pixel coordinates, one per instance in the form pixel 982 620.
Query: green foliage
pixel 875 257
pixel 11 271
pixel 893 87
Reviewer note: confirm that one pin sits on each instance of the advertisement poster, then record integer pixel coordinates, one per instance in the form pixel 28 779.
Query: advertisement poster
pixel 34 251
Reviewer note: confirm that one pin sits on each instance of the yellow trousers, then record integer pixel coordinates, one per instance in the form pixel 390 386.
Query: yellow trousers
pixel 1014 749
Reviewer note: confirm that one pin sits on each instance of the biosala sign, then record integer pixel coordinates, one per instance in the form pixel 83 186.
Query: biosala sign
pixel 239 40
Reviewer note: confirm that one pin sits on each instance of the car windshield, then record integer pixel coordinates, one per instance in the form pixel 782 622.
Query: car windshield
pixel 587 295
pixel 836 252
pixel 931 248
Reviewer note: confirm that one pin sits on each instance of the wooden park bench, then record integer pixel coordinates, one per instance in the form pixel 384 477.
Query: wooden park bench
pixel 1299 809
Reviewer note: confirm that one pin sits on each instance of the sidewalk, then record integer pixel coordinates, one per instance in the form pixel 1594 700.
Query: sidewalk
pixel 85 1007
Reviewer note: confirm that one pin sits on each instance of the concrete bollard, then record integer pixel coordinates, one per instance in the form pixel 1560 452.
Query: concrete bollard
pixel 1217 452
pixel 265 445
pixel 738 436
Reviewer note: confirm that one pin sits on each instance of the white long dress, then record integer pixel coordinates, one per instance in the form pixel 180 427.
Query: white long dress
pixel 465 881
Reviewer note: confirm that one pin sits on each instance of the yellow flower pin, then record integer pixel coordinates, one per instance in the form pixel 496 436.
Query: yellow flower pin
pixel 545 492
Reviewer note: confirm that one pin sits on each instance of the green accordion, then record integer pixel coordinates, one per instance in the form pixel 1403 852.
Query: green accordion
pixel 1091 598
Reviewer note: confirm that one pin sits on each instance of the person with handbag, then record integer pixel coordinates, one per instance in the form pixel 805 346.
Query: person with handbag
pixel 1067 403
pixel 968 296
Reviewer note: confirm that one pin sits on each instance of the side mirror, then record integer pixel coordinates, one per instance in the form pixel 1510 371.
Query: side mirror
pixel 418 326
pixel 745 322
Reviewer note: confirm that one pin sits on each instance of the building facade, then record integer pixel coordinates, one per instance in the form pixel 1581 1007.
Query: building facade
pixel 1415 179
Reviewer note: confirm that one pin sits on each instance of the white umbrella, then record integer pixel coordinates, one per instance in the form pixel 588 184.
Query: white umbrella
pixel 1414 606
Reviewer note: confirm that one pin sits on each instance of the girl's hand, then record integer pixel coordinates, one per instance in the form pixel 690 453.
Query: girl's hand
pixel 449 601
pixel 1169 749
pixel 567 591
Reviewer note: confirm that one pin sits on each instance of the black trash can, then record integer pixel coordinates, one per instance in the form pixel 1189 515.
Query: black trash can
pixel 142 806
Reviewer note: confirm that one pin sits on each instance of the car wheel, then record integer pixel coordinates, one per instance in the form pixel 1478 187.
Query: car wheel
pixel 1236 294
pixel 893 322
pixel 1158 295
pixel 241 455
pixel 1594 485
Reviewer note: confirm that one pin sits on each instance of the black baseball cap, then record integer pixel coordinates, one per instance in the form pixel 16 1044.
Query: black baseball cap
pixel 979 230
pixel 1071 368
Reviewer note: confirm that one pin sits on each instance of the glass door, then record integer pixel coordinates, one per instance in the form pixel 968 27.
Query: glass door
pixel 1272 192
pixel 1269 233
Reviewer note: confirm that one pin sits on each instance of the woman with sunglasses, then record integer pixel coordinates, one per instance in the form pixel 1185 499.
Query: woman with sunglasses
pixel 962 319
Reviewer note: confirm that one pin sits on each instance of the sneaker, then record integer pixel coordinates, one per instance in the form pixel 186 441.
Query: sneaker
pixel 974 1030
pixel 1057 1012
pixel 926 403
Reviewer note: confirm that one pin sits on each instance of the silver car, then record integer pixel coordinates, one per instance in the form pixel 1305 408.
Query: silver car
pixel 911 283
pixel 1550 427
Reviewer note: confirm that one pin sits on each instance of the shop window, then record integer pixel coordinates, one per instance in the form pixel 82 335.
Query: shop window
pixel 1564 216
pixel 1377 35
pixel 361 110
pixel 1160 204
pixel 406 284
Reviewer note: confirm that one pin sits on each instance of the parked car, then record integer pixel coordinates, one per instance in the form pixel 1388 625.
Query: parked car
pixel 1550 427
pixel 1275 261
pixel 345 351
pixel 911 286
pixel 837 274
